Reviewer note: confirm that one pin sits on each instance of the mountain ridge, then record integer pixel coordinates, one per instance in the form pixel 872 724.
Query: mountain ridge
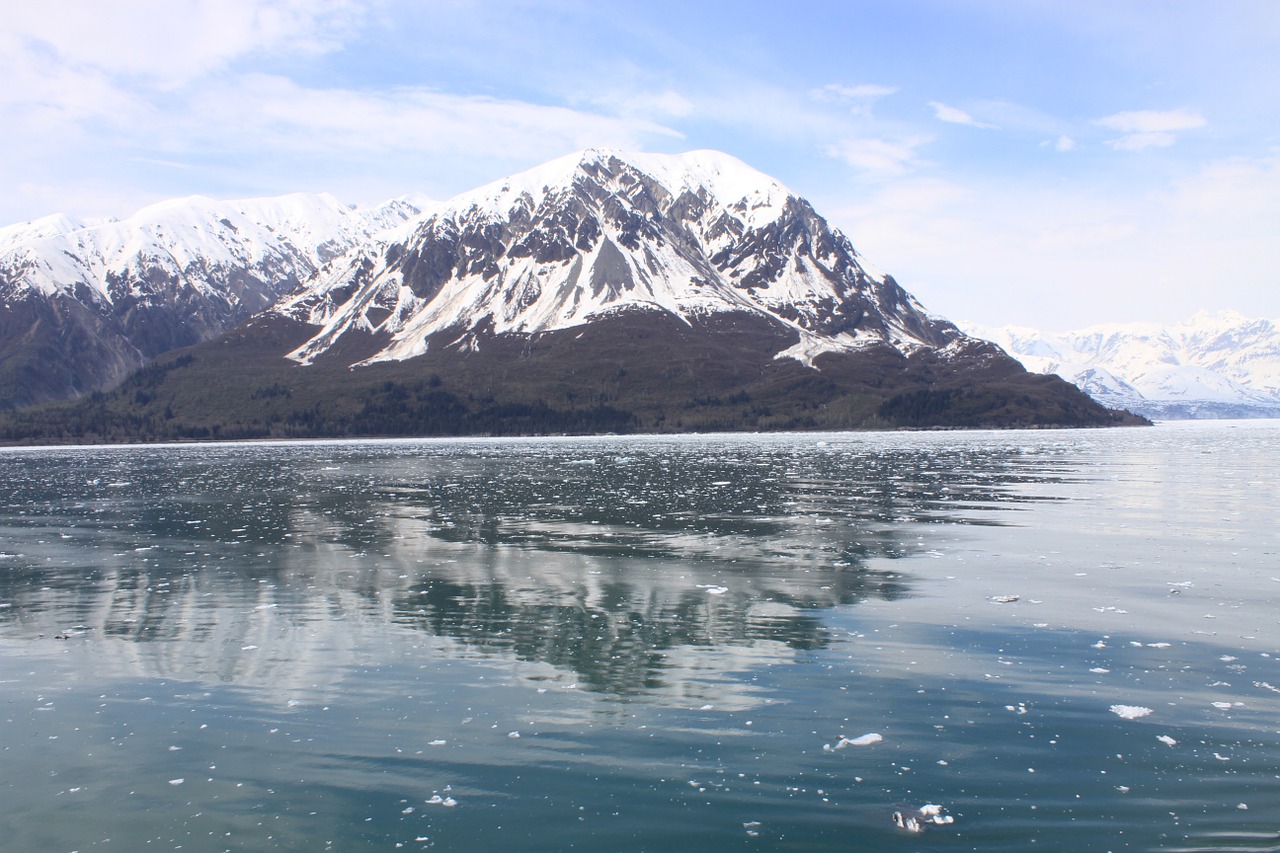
pixel 1214 364
pixel 669 243
pixel 86 301
pixel 599 292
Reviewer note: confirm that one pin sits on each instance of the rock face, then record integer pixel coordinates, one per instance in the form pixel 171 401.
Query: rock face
pixel 595 234
pixel 600 292
pixel 84 303
pixel 1214 365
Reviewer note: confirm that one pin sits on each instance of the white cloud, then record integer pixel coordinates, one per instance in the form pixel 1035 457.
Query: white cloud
pixel 860 99
pixel 167 42
pixel 953 115
pixel 1145 129
pixel 257 134
pixel 878 158
pixel 1065 143
pixel 1142 141
pixel 1153 121
pixel 664 104
pixel 841 92
pixel 277 112
pixel 1072 255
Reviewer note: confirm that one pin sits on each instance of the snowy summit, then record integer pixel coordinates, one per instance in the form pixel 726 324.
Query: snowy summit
pixel 601 231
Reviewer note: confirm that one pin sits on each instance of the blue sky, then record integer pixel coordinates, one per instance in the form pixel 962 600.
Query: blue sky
pixel 1052 163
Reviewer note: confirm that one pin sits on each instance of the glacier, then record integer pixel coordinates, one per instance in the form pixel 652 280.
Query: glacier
pixel 1213 365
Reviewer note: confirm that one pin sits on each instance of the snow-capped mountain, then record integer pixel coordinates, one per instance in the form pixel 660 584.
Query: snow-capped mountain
pixel 84 302
pixel 1212 365
pixel 601 292
pixel 599 232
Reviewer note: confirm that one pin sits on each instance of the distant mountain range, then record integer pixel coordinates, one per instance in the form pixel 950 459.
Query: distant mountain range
pixel 599 292
pixel 1214 365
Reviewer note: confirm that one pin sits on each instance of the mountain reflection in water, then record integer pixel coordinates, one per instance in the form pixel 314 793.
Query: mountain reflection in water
pixel 614 561
pixel 1055 638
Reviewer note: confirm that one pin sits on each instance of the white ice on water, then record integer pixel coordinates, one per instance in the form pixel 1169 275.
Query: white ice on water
pixel 1130 712
pixel 862 740
pixel 915 820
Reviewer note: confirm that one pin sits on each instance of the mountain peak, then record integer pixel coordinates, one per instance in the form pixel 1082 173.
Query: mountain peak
pixel 603 291
pixel 600 231
pixel 718 174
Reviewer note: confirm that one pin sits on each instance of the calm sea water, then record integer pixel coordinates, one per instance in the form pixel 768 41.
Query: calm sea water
pixel 1060 640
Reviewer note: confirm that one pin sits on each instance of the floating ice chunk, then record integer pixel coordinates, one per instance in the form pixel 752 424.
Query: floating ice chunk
pixel 866 740
pixel 1244 807
pixel 915 820
pixel 176 781
pixel 1223 706
pixel 1005 599
pixel 752 827
pixel 1100 670
pixel 513 735
pixel 1159 645
pixel 716 590
pixel 1166 740
pixel 1228 658
pixel 437 800
pixel 438 742
pixel 1130 712
pixel 861 740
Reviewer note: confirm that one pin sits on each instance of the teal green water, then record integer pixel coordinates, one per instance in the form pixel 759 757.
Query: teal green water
pixel 1063 640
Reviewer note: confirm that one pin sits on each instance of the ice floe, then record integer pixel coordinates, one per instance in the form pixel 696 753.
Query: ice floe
pixel 1130 712
pixel 916 819
pixel 862 740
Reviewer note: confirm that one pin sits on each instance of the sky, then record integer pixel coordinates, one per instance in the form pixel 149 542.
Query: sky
pixel 1045 163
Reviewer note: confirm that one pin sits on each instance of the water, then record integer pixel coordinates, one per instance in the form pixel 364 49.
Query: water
pixel 1065 640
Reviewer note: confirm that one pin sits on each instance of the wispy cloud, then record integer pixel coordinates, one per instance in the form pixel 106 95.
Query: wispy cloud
pixel 879 158
pixel 1149 128
pixel 860 99
pixel 167 42
pixel 839 91
pixel 954 115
